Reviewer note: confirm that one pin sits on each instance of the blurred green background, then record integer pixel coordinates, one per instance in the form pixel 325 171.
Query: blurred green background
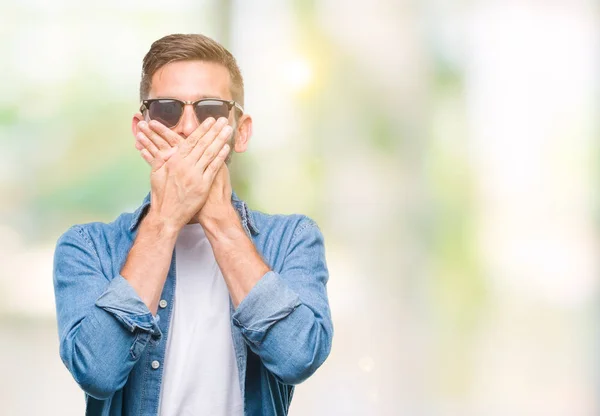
pixel 447 149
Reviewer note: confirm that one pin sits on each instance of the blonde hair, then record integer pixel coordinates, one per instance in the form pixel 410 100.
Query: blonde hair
pixel 188 47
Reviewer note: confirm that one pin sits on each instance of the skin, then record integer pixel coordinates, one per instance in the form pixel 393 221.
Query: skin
pixel 190 184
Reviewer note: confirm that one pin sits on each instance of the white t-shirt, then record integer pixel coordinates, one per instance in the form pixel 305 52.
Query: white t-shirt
pixel 200 374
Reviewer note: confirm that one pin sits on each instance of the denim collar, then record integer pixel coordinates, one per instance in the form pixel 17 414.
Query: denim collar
pixel 239 205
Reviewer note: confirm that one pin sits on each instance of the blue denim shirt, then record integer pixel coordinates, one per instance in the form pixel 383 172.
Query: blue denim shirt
pixel 111 343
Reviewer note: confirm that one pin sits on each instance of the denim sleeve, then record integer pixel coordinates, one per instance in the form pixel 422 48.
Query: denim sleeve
pixel 285 318
pixel 103 325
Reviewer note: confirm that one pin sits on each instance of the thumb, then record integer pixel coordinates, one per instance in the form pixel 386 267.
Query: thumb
pixel 170 152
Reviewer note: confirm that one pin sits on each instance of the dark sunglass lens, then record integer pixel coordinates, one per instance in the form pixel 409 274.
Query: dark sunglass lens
pixel 211 108
pixel 168 112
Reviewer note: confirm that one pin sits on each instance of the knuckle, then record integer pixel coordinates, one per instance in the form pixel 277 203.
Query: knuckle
pixel 211 166
pixel 205 126
pixel 216 128
pixel 158 140
pixel 209 153
pixel 205 136
pixel 156 126
pixel 226 132
pixel 186 146
pixel 202 147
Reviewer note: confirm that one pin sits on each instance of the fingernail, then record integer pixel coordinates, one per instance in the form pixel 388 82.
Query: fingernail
pixel 142 124
pixel 222 121
pixel 209 121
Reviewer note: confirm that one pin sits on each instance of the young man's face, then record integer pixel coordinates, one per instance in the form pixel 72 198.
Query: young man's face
pixel 192 81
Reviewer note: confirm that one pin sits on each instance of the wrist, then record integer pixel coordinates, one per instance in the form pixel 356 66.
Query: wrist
pixel 222 223
pixel 160 226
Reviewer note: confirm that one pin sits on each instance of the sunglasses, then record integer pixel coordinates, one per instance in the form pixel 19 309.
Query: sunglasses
pixel 169 111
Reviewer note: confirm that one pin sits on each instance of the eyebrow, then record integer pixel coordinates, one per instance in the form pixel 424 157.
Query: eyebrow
pixel 201 97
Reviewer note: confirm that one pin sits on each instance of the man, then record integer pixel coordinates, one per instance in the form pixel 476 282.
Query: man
pixel 194 304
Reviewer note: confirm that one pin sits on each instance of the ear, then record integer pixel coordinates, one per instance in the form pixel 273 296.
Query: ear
pixel 244 132
pixel 137 117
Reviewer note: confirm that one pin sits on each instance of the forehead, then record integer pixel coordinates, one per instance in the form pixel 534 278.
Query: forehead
pixel 191 80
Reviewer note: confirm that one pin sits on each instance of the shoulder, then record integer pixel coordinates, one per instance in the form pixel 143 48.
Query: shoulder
pixel 94 233
pixel 293 225
pixel 289 241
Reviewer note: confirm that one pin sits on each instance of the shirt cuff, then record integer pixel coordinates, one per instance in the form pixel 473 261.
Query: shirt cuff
pixel 269 301
pixel 122 301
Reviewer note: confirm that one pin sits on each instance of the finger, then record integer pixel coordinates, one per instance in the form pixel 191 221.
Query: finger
pixel 147 144
pixel 203 136
pixel 205 141
pixel 169 136
pixel 170 152
pixel 147 156
pixel 160 158
pixel 213 168
pixel 214 148
pixel 154 137
pixel 159 161
pixel 139 143
pixel 164 154
pixel 200 131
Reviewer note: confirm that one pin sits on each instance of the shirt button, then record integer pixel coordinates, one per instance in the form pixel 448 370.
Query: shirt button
pixel 155 364
pixel 163 303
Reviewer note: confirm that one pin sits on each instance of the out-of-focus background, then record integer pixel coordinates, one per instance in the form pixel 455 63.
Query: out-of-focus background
pixel 448 150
